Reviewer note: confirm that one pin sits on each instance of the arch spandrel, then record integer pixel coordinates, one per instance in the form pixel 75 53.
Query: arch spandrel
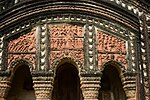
pixel 14 65
pixel 60 61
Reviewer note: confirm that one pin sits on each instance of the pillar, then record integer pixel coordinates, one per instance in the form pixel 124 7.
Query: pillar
pixel 90 85
pixel 5 84
pixel 43 85
pixel 129 84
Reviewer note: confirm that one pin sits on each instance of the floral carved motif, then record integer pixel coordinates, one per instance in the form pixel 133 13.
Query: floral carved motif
pixel 111 48
pixel 25 43
pixel 66 40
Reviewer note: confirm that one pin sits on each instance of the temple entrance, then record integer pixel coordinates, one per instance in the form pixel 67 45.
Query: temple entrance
pixel 22 84
pixel 67 83
pixel 111 86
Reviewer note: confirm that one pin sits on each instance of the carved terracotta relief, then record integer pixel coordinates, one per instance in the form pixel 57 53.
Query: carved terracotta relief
pixel 25 43
pixel 111 48
pixel 22 48
pixel 66 40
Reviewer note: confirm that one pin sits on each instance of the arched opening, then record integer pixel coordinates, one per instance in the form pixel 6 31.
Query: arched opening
pixel 111 86
pixel 66 83
pixel 22 84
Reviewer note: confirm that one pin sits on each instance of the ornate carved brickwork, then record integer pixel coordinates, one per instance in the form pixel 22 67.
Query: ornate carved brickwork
pixel 22 48
pixel 14 57
pixel 90 54
pixel 43 85
pixel 1 51
pixel 25 43
pixel 66 40
pixel 129 84
pixel 111 48
pixel 42 47
pixel 90 85
pixel 4 87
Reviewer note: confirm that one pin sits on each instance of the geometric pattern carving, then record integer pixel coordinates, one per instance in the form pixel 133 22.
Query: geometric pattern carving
pixel 42 47
pixel 111 48
pixel 1 52
pixel 66 40
pixel 90 55
pixel 25 43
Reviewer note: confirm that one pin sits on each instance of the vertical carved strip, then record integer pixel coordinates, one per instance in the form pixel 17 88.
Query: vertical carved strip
pixel 146 59
pixel 42 46
pixel 38 47
pixel 86 48
pixel 90 77
pixel 129 56
pixel 1 53
pixel 90 54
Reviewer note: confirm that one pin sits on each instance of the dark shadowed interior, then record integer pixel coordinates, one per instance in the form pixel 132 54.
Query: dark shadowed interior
pixel 22 85
pixel 111 86
pixel 67 83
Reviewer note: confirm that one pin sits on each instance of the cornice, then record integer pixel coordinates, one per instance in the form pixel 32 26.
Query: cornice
pixel 22 14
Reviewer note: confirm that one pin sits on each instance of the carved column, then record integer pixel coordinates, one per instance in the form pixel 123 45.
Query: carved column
pixel 5 85
pixel 90 77
pixel 90 85
pixel 43 85
pixel 129 84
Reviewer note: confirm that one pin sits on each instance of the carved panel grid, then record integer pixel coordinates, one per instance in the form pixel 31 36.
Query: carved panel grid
pixel 22 47
pixel 111 48
pixel 66 40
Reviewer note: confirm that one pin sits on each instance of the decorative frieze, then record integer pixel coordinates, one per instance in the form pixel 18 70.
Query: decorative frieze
pixel 25 43
pixel 111 48
pixel 22 47
pixel 66 41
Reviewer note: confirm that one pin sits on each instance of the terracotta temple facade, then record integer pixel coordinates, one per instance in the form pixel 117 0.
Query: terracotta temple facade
pixel 74 50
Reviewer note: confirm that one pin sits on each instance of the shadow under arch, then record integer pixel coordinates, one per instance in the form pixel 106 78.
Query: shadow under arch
pixel 21 82
pixel 66 80
pixel 77 64
pixel 111 84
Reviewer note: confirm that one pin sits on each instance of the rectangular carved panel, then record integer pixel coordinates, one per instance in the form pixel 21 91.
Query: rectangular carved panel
pixel 111 48
pixel 66 40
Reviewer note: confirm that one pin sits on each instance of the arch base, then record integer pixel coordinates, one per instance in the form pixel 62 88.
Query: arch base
pixel 43 85
pixel 90 85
